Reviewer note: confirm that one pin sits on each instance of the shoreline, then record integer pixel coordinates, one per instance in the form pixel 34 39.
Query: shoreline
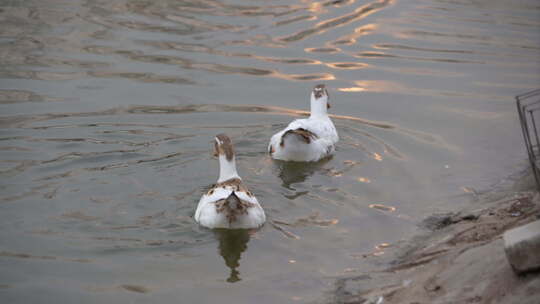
pixel 458 257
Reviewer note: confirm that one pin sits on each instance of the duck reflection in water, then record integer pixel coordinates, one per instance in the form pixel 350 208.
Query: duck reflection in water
pixel 292 172
pixel 232 243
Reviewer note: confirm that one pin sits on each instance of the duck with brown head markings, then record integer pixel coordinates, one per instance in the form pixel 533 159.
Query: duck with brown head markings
pixel 223 145
pixel 224 150
pixel 308 139
pixel 229 203
pixel 320 91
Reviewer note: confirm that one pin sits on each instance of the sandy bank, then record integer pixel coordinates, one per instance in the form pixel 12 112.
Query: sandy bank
pixel 460 260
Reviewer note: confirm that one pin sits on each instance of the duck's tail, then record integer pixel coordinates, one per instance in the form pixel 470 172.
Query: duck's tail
pixel 234 207
pixel 233 202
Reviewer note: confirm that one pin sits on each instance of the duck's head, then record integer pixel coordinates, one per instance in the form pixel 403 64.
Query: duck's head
pixel 320 91
pixel 223 149
pixel 223 146
pixel 319 100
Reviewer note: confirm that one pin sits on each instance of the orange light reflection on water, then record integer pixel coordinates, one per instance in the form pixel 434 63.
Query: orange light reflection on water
pixel 353 89
pixel 364 180
pixel 358 32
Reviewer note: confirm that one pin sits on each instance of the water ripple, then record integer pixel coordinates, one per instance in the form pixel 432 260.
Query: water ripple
pixel 323 26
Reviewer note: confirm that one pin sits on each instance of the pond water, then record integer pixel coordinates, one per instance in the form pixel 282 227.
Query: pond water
pixel 108 110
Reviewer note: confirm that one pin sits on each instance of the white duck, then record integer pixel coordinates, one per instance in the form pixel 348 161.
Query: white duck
pixel 308 139
pixel 228 204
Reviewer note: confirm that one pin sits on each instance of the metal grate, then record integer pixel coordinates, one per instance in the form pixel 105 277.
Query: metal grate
pixel 528 105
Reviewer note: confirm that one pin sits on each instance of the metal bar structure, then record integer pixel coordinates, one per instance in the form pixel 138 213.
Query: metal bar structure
pixel 529 103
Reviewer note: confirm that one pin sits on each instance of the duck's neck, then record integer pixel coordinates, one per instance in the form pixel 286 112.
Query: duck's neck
pixel 318 107
pixel 227 169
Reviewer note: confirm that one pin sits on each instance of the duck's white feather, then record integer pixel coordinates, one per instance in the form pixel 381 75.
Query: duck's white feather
pixel 320 145
pixel 207 211
pixel 295 149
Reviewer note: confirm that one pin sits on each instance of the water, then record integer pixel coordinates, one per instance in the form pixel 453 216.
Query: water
pixel 108 110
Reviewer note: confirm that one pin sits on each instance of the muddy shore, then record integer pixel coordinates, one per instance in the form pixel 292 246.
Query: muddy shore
pixel 457 258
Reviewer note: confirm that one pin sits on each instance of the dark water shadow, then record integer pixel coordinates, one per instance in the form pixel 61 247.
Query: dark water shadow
pixel 291 172
pixel 232 243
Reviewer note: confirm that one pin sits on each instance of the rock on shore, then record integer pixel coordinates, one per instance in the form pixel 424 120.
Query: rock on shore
pixel 522 247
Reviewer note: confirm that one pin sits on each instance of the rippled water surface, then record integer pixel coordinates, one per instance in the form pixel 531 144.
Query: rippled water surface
pixel 108 110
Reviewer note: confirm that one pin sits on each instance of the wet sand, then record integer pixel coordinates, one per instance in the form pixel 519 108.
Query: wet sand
pixel 459 258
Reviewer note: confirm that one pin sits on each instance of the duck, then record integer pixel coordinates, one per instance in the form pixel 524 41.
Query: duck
pixel 228 204
pixel 310 139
